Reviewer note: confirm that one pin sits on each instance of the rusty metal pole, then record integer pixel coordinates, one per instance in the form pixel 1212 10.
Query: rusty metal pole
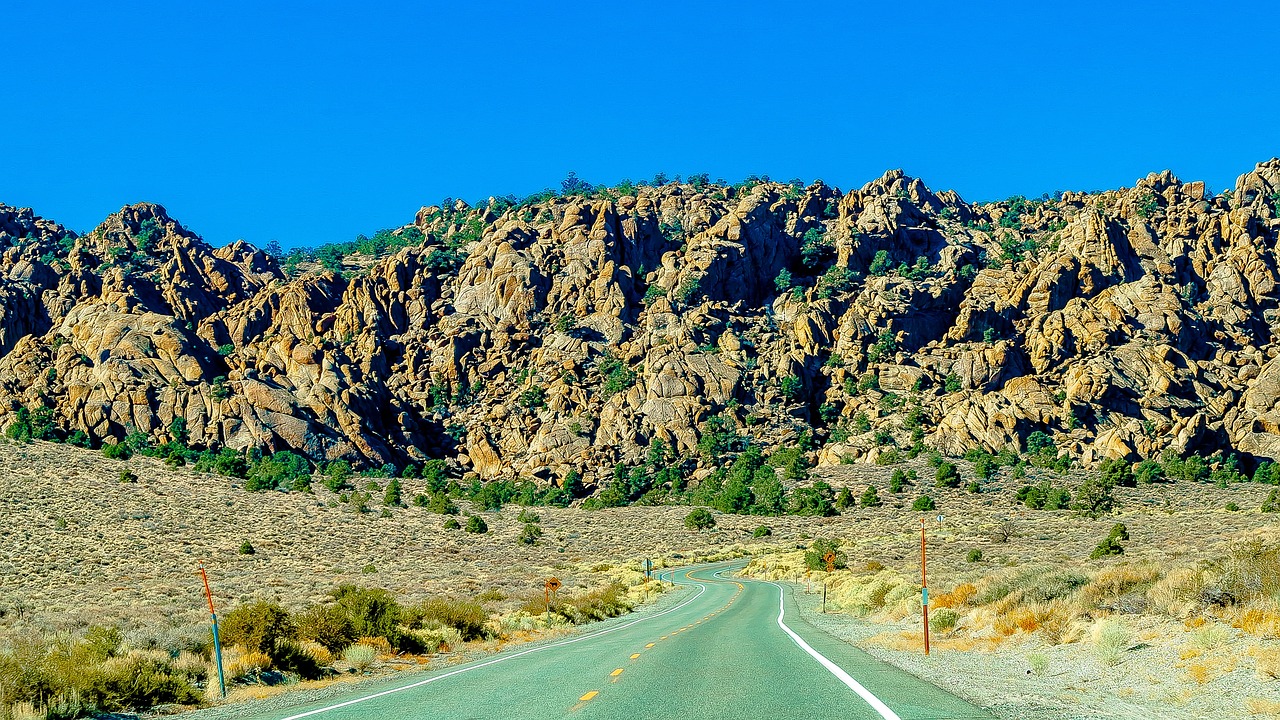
pixel 924 588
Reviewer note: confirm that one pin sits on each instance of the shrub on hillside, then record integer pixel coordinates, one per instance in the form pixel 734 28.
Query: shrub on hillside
pixel 258 626
pixel 327 625
pixel 1094 498
pixel 948 475
pixel 818 549
pixel 1110 545
pixel 700 519
pixel 1116 472
pixel 1272 503
pixel 869 498
pixel 280 470
pixel 469 618
pixel 924 503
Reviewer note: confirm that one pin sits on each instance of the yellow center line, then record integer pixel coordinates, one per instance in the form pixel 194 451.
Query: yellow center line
pixel 616 673
pixel 636 655
pixel 651 644
pixel 589 695
pixel 664 637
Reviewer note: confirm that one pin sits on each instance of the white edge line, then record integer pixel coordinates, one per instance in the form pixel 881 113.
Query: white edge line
pixel 844 677
pixel 495 661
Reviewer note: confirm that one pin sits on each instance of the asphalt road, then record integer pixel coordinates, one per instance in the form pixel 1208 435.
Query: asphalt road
pixel 727 649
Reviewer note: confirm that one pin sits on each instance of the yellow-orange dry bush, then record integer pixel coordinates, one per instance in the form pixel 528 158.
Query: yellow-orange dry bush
pixel 956 598
pixel 1266 663
pixel 379 644
pixel 1263 707
pixel 1260 620
pixel 1178 593
pixel 1019 619
pixel 1112 582
pixel 240 663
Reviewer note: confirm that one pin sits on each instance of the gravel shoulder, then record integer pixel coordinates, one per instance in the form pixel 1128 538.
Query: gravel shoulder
pixel 1151 681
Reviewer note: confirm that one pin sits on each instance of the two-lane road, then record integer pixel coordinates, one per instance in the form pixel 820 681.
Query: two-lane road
pixel 728 649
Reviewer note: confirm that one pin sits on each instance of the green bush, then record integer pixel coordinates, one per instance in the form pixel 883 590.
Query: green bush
pixel 791 387
pixel 869 498
pixel 452 524
pixel 975 555
pixel 1272 503
pixel 879 263
pixel 436 502
pixel 814 501
pixel 900 479
pixel 327 625
pixel 477 525
pixel 282 469
pixel 1267 473
pixel 1116 472
pixel 818 549
pixel 32 425
pixel 761 531
pixel 469 618
pixel 135 682
pixel 602 604
pixel 117 451
pixel 530 534
pixel 948 475
pixel 943 620
pixel 372 612
pixel 700 519
pixel 1039 443
pixel 924 503
pixel 393 495
pixel 258 626
pixel 1149 471
pixel 246 548
pixel 845 499
pixel 1044 496
pixel 532 398
pixel 1111 544
pixel 1094 498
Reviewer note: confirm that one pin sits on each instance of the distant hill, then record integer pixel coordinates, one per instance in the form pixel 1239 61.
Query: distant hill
pixel 571 331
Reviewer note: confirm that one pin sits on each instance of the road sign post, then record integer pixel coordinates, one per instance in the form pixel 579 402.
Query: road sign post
pixel 648 569
pixel 830 559
pixel 217 643
pixel 549 588
pixel 924 588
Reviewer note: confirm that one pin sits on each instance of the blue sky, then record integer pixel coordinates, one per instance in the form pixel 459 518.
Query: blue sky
pixel 267 121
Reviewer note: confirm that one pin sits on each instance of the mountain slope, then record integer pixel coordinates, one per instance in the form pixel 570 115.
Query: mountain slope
pixel 572 331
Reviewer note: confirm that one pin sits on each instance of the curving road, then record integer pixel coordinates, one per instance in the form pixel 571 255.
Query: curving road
pixel 727 649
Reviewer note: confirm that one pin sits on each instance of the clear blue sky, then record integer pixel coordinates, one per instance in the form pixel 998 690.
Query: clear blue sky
pixel 311 125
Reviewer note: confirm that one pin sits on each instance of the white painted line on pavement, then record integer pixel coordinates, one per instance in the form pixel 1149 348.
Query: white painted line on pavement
pixel 701 589
pixel 875 702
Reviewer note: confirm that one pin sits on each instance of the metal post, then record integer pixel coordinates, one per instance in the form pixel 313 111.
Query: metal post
pixel 217 642
pixel 924 588
pixel 824 596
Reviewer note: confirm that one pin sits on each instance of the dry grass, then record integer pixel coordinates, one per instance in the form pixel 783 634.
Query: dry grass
pixel 1263 707
pixel 82 548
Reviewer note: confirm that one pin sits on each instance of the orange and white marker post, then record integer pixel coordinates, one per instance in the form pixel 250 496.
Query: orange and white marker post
pixel 924 589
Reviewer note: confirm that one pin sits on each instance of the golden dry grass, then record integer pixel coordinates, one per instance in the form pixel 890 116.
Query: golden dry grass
pixel 1262 707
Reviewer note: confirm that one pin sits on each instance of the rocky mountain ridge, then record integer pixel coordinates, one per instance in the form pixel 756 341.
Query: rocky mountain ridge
pixel 570 331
